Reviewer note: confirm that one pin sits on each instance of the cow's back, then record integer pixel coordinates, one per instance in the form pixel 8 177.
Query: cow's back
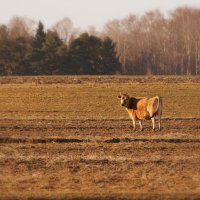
pixel 148 107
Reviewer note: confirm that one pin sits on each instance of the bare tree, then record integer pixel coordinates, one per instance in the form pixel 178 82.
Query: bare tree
pixel 21 27
pixel 91 30
pixel 114 30
pixel 64 28
pixel 152 44
pixel 184 26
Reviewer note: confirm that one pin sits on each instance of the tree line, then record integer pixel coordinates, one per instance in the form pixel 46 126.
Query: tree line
pixel 147 44
pixel 154 44
pixel 45 53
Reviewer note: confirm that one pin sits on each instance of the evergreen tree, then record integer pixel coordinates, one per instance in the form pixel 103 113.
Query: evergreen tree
pixel 91 55
pixel 77 54
pixel 51 48
pixel 5 51
pixel 110 61
pixel 62 62
pixel 36 53
pixel 39 36
pixel 94 52
pixel 19 62
pixel 13 54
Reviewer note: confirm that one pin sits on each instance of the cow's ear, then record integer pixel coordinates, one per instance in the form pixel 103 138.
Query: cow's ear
pixel 119 96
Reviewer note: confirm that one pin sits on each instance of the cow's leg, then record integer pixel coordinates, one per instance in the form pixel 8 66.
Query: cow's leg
pixel 140 123
pixel 159 123
pixel 134 124
pixel 153 123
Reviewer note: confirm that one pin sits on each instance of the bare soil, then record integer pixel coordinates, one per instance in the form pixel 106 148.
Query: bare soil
pixel 66 137
pixel 99 159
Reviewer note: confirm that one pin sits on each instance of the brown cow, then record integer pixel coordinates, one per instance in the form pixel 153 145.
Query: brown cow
pixel 142 108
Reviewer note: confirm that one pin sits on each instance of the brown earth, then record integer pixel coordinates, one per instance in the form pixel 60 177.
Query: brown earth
pixel 99 159
pixel 66 137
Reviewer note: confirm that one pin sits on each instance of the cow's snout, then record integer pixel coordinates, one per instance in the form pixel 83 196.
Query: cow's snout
pixel 122 104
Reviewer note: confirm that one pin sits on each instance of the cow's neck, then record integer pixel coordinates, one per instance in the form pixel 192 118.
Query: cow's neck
pixel 132 103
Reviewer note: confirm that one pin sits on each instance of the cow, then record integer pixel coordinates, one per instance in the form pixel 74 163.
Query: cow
pixel 142 108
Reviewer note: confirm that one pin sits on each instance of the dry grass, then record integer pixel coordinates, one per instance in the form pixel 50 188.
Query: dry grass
pixel 71 139
pixel 93 100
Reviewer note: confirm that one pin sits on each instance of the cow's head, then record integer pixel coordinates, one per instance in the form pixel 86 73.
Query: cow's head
pixel 124 100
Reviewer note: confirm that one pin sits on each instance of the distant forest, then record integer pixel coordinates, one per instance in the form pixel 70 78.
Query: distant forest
pixel 149 44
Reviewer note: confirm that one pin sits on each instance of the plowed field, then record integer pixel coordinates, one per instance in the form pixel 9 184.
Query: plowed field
pixel 72 140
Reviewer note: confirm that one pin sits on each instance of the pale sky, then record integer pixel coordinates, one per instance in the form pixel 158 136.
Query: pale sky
pixel 84 13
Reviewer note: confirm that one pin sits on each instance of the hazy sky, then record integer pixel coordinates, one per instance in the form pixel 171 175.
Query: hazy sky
pixel 84 13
